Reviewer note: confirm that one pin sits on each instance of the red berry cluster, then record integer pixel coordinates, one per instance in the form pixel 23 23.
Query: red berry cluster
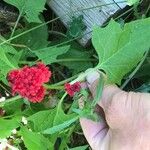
pixel 71 89
pixel 28 81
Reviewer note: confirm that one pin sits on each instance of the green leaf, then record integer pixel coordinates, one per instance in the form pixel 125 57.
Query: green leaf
pixel 17 56
pixel 51 121
pixel 7 47
pixel 80 148
pixel 61 126
pixel 131 2
pixel 31 8
pixel 105 40
pixel 99 90
pixel 61 120
pixel 13 107
pixel 42 120
pixel 19 4
pixel 5 61
pixel 6 52
pixel 4 58
pixel 34 141
pixel 120 50
pixel 7 125
pixel 4 68
pixel 75 59
pixel 35 39
pixel 76 27
pixel 49 55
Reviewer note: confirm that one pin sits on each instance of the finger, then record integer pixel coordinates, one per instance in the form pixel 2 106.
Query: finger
pixel 108 92
pixel 94 132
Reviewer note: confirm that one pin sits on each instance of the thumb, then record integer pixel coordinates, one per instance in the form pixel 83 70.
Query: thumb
pixel 108 92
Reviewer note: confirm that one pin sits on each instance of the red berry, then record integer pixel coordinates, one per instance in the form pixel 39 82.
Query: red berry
pixel 72 89
pixel 28 81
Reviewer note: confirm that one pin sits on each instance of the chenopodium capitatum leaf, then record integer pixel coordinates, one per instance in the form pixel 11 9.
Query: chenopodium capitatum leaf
pixel 121 49
pixel 31 9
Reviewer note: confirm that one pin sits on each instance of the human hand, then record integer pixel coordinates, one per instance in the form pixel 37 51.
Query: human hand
pixel 126 125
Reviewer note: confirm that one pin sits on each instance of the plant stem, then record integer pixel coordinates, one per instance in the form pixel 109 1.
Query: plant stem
pixel 60 104
pixel 10 100
pixel 53 87
pixel 66 80
pixel 135 8
pixel 20 14
pixel 135 71
pixel 74 60
pixel 19 45
pixel 10 116
pixel 82 76
pixel 61 100
pixel 62 60
pixel 147 10
pixel 57 33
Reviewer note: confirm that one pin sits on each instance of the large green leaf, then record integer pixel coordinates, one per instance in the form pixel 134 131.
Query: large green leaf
pixel 51 121
pixel 120 50
pixel 34 141
pixel 30 8
pixel 35 39
pixel 61 120
pixel 49 55
pixel 42 120
pixel 7 125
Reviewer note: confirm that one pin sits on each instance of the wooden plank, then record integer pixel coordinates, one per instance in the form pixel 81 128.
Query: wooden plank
pixel 100 11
